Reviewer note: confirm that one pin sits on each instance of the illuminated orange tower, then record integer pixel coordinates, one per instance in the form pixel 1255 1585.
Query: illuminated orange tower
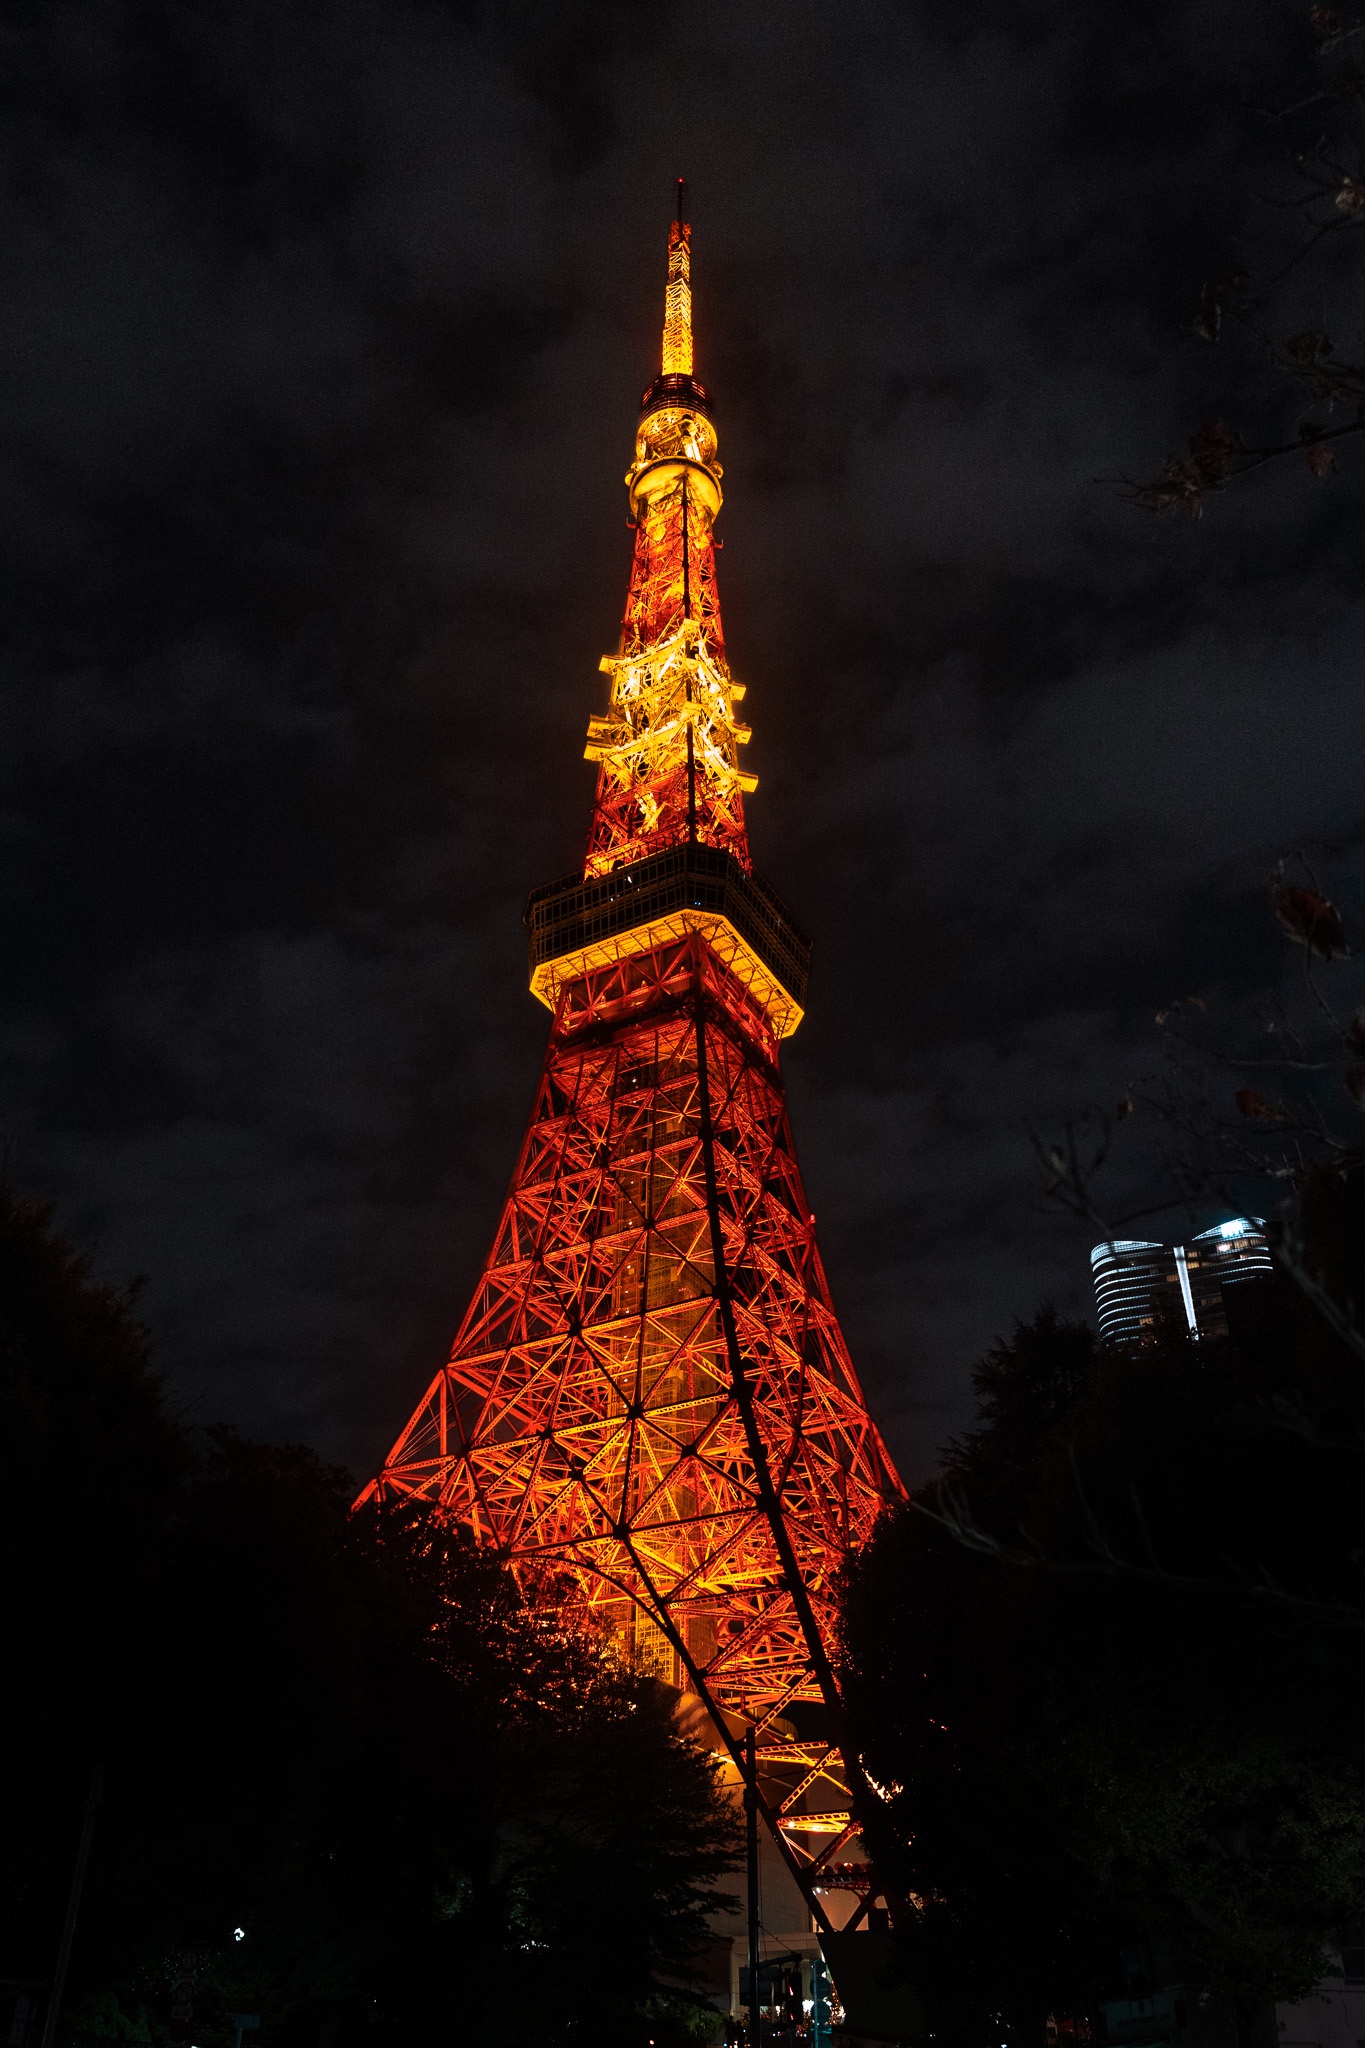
pixel 650 1403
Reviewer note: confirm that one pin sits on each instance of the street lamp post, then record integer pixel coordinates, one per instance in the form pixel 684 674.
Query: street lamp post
pixel 73 1906
pixel 751 1839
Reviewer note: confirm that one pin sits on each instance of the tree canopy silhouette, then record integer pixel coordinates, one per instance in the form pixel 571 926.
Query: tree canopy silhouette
pixel 347 1767
pixel 1109 1670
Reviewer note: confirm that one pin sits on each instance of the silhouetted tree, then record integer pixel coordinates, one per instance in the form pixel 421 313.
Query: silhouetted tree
pixel 370 1788
pixel 1109 1671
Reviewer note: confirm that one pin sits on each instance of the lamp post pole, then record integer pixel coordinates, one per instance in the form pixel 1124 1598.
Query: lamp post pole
pixel 751 1841
pixel 73 1906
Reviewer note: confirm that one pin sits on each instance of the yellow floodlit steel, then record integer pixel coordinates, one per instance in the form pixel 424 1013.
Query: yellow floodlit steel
pixel 678 303
pixel 734 952
pixel 672 704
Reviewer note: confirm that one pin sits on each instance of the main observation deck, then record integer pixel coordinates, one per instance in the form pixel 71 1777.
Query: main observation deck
pixel 577 925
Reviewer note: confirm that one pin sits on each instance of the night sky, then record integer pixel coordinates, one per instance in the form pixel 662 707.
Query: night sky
pixel 323 336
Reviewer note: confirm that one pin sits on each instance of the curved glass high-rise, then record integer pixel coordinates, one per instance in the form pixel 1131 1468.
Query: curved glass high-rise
pixel 1144 1290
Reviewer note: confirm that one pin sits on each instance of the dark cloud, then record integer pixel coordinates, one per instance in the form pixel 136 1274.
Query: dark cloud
pixel 321 344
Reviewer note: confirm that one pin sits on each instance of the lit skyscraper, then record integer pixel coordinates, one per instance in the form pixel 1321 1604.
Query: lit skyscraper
pixel 1135 1289
pixel 1143 1289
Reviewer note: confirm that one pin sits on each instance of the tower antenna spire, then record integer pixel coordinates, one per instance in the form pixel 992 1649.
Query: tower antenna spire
pixel 677 350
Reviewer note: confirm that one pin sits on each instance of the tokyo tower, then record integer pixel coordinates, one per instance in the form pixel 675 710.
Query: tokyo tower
pixel 649 1405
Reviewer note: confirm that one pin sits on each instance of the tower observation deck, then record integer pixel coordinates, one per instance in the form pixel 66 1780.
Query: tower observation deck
pixel 649 1406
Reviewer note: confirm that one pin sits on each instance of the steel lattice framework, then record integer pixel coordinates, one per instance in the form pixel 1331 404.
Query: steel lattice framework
pixel 649 1406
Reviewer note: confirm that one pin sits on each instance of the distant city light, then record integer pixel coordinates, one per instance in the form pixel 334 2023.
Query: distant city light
pixel 239 1934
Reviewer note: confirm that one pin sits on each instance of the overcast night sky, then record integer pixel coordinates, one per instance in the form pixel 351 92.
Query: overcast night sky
pixel 323 335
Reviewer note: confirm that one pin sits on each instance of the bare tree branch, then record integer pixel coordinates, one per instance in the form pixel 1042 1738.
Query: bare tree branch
pixel 953 1514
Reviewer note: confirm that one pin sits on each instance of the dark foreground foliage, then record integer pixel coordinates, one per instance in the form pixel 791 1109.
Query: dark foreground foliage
pixel 420 1802
pixel 1111 1670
